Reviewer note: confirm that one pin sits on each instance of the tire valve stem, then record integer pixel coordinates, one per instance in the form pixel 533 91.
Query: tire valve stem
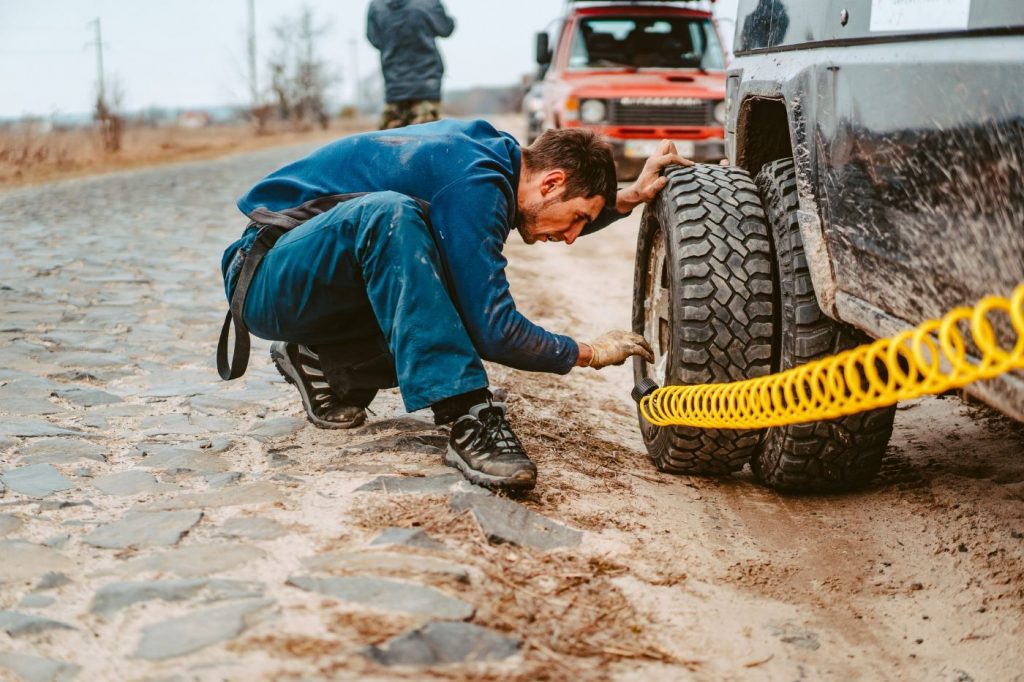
pixel 643 388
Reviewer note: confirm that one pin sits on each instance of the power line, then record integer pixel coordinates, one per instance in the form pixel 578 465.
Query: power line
pixel 29 52
pixel 49 29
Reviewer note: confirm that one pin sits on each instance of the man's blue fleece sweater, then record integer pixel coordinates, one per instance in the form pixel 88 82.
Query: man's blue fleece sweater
pixel 469 173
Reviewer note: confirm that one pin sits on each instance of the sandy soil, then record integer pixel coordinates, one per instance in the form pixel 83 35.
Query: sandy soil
pixel 921 576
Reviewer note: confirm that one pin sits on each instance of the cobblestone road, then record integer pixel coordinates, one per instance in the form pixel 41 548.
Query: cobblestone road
pixel 157 523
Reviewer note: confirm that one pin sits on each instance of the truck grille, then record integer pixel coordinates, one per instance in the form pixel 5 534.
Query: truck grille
pixel 660 114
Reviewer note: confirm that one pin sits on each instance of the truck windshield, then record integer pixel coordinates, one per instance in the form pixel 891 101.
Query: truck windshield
pixel 645 42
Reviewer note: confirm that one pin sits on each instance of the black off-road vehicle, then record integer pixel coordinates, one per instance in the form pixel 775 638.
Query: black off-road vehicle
pixel 877 151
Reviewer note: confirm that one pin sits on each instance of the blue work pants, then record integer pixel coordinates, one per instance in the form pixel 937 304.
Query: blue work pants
pixel 368 274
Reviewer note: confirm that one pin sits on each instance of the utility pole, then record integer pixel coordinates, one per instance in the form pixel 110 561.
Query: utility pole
pixel 354 45
pixel 111 125
pixel 99 61
pixel 254 84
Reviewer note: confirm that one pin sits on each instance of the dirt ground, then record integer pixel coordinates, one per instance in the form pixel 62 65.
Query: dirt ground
pixel 920 576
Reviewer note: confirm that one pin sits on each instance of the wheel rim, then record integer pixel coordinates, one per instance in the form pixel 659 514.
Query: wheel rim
pixel 657 297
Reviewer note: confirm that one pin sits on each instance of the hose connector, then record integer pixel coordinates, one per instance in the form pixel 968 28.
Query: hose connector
pixel 643 388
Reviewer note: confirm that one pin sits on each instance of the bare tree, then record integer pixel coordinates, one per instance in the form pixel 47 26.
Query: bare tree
pixel 299 79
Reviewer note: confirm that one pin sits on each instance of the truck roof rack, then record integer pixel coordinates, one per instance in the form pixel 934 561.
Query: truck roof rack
pixel 700 4
pixel 640 2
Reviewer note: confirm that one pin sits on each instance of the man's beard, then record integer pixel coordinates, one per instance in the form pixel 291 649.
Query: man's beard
pixel 528 216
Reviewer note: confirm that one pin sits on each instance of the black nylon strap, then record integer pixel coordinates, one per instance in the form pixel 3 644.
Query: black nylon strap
pixel 276 226
pixel 240 357
pixel 265 240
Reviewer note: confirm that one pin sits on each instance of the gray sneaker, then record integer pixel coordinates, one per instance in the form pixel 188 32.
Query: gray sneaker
pixel 301 368
pixel 483 447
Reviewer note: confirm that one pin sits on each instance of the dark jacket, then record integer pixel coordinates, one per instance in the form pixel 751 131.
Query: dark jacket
pixel 404 32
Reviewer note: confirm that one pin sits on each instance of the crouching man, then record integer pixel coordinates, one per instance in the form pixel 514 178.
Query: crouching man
pixel 376 262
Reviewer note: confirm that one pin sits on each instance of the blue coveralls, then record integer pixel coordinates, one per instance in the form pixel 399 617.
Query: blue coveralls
pixel 434 291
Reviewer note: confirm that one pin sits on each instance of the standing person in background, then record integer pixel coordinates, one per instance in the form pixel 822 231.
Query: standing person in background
pixel 404 31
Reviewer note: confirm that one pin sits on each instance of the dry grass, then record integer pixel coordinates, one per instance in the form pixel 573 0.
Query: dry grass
pixel 28 157
pixel 571 618
pixel 289 646
pixel 370 628
pixel 565 607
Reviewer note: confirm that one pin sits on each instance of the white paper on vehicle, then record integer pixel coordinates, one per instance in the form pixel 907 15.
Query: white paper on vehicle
pixel 919 15
pixel 641 149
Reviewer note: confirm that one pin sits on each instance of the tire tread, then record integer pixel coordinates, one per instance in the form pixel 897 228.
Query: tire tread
pixel 720 264
pixel 834 455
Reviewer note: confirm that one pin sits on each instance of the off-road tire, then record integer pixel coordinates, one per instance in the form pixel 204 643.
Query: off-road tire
pixel 711 228
pixel 834 455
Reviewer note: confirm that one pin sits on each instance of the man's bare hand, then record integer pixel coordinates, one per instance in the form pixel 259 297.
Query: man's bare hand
pixel 614 348
pixel 651 180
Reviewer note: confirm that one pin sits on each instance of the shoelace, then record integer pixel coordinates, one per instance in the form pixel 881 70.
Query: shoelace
pixel 497 432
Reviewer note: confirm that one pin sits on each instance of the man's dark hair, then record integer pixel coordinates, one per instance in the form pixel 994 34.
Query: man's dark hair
pixel 585 158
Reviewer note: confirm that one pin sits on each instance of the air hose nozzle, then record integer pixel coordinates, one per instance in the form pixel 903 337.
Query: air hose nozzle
pixel 643 388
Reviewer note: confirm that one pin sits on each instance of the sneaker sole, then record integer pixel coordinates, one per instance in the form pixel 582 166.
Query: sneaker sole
pixel 453 459
pixel 287 369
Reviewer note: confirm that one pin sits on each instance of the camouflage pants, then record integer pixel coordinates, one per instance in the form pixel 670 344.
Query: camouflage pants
pixel 409 112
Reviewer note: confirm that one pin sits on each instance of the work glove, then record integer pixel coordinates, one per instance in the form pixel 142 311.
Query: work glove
pixel 614 347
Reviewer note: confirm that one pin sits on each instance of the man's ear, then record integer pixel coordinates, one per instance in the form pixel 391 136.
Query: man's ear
pixel 551 181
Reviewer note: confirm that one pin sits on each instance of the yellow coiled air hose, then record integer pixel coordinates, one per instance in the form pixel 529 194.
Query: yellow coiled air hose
pixel 929 359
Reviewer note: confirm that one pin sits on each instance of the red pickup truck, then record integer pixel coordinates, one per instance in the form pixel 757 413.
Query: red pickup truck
pixel 637 73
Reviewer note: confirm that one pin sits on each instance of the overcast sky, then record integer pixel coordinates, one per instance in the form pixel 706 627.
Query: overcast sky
pixel 190 53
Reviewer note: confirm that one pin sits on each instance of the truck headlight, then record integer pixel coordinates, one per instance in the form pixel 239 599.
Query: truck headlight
pixel 592 111
pixel 719 112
